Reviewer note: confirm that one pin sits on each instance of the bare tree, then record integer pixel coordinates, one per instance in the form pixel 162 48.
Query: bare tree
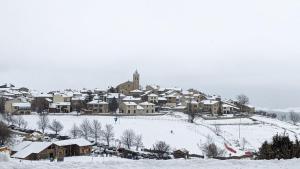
pixel 96 131
pixel 5 134
pixel 56 126
pixel 20 122
pixel 210 149
pixel 10 119
pixel 242 101
pixel 138 142
pixel 295 117
pixel 85 128
pixel 43 122
pixel 128 138
pixel 282 117
pixel 161 146
pixel 191 112
pixel 108 133
pixel 75 131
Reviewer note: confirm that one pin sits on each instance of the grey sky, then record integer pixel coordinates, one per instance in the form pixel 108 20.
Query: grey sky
pixel 220 47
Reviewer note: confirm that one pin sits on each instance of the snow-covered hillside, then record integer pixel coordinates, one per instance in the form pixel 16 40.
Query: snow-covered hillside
pixel 186 135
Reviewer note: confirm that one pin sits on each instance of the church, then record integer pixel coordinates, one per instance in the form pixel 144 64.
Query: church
pixel 128 86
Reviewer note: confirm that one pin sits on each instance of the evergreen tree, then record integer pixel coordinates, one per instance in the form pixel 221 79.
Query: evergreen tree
pixel 282 146
pixel 113 105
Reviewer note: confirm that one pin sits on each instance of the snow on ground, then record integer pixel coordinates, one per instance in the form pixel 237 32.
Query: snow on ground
pixel 185 135
pixel 254 135
pixel 276 122
pixel 228 121
pixel 117 163
pixel 153 129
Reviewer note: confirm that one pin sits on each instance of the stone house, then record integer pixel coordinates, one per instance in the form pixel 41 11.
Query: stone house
pixel 153 98
pixel 148 107
pixel 97 106
pixel 17 106
pixel 128 107
pixel 211 106
pixel 41 102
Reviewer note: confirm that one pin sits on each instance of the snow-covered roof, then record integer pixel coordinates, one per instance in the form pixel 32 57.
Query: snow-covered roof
pixel 49 100
pixel 209 102
pixel 80 142
pixel 154 87
pixel 136 91
pixel 162 98
pixel 171 95
pixel 194 102
pixel 78 98
pixel 131 98
pixel 152 95
pixel 22 105
pixel 21 146
pixel 97 102
pixel 130 103
pixel 147 104
pixel 179 107
pixel 34 147
pixel 54 105
pixel 185 92
pixel 42 95
pixel 228 105
pixel 114 95
pixel 139 107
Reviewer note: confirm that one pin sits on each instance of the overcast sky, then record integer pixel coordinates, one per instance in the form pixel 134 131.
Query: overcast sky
pixel 219 47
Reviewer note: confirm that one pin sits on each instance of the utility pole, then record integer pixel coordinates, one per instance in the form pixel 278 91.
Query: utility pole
pixel 240 128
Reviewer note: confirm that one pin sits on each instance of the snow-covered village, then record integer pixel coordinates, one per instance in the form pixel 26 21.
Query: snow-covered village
pixel 149 84
pixel 133 122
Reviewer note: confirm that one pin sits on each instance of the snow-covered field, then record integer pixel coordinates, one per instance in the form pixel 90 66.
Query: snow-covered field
pixel 185 135
pixel 117 163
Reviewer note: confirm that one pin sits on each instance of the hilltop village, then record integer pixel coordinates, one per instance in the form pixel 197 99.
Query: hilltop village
pixel 57 124
pixel 128 98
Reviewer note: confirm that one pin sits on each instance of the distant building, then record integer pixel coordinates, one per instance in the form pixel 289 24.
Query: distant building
pixel 147 107
pixel 211 106
pixel 17 106
pixel 128 107
pixel 128 86
pixel 153 98
pixel 97 106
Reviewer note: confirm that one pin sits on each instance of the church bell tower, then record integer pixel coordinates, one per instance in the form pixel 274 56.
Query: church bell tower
pixel 136 80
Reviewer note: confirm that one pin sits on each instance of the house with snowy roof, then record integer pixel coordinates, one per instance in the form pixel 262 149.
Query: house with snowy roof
pixel 229 108
pixel 136 93
pixel 41 101
pixel 17 106
pixel 128 107
pixel 211 106
pixel 28 150
pixel 136 100
pixel 97 106
pixel 147 107
pixel 153 98
pixel 36 151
